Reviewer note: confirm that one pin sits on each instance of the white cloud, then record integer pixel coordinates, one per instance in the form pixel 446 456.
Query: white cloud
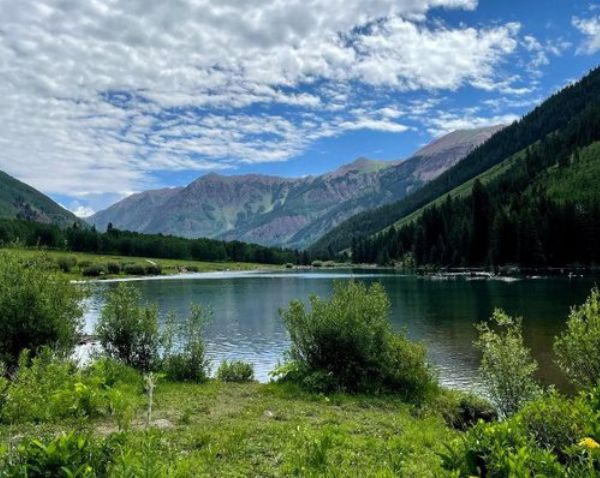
pixel 446 122
pixel 98 96
pixel 590 28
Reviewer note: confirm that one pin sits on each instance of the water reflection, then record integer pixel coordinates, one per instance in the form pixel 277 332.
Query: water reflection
pixel 247 325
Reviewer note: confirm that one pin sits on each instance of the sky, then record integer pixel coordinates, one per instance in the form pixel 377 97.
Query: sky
pixel 103 98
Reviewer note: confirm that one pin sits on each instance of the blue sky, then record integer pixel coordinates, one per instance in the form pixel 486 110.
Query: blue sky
pixel 104 99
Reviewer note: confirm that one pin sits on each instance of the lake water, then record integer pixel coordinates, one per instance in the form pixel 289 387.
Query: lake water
pixel 441 313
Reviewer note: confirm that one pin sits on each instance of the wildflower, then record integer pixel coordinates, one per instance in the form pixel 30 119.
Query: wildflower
pixel 589 443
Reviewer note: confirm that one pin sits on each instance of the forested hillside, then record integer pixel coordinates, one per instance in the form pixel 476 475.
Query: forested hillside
pixel 571 108
pixel 20 201
pixel 543 210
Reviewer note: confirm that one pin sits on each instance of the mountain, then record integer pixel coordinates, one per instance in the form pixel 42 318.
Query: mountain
pixel 291 212
pixel 528 196
pixel 18 200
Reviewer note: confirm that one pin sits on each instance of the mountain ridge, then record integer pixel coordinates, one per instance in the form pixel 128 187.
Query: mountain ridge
pixel 275 210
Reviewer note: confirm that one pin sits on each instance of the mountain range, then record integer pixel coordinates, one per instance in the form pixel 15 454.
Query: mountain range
pixel 290 212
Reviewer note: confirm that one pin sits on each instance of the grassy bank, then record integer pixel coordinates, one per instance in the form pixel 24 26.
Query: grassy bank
pixel 166 266
pixel 270 430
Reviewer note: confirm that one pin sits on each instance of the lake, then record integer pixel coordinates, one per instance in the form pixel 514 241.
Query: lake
pixel 441 313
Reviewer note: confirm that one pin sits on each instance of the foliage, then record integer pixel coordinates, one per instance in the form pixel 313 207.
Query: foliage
pixel 462 410
pixel 68 455
pixel 346 343
pixel 94 270
pixel 545 438
pixel 507 367
pixel 578 348
pixel 128 331
pixel 235 371
pixel 66 263
pixel 48 389
pixel 37 308
pixel 185 354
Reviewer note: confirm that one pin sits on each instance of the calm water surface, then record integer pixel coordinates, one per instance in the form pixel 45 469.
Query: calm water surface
pixel 441 313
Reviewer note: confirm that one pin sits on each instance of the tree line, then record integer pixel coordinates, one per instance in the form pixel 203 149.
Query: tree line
pixel 126 243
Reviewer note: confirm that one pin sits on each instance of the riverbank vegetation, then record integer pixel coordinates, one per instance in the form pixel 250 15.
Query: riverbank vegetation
pixel 86 266
pixel 373 408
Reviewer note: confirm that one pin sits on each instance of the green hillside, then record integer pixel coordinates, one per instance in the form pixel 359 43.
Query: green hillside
pixel 565 108
pixel 20 201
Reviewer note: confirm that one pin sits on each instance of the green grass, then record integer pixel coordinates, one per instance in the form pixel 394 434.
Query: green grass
pixel 272 430
pixel 169 266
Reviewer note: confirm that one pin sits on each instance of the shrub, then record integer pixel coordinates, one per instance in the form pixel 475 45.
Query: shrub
pixel 235 371
pixel 317 263
pixel 542 439
pixel 153 269
pixel 192 268
pixel 555 423
pixel 94 270
pixel 134 269
pixel 185 355
pixel 346 344
pixel 66 455
pixel 463 410
pixel 37 308
pixel 127 331
pixel 113 268
pixel 578 348
pixel 83 264
pixel 66 263
pixel 507 367
pixel 47 388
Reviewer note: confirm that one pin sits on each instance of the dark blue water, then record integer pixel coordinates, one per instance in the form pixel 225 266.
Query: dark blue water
pixel 441 313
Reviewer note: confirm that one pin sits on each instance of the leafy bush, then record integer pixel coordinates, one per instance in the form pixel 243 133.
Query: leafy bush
pixel 129 332
pixel 185 355
pixel 578 348
pixel 347 344
pixel 545 438
pixel 463 410
pixel 134 269
pixel 235 371
pixel 507 367
pixel 317 263
pixel 153 269
pixel 47 388
pixel 67 455
pixel 192 268
pixel 37 308
pixel 83 264
pixel 113 268
pixel 94 270
pixel 66 263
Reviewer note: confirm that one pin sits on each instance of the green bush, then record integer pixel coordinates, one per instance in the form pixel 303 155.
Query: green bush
pixel 47 389
pixel 462 410
pixel 94 270
pixel 153 269
pixel 67 455
pixel 235 371
pixel 543 439
pixel 134 269
pixel 317 263
pixel 38 308
pixel 347 344
pixel 66 263
pixel 184 350
pixel 113 268
pixel 507 367
pixel 129 332
pixel 578 348
pixel 192 268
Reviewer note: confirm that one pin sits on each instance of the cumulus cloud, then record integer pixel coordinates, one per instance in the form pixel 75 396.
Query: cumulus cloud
pixel 590 28
pixel 97 96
